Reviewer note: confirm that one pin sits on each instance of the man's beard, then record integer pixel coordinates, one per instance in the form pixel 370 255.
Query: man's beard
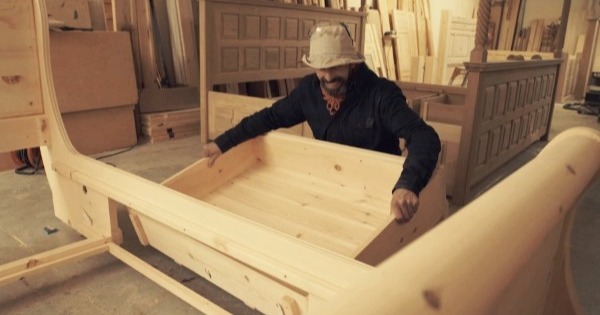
pixel 339 91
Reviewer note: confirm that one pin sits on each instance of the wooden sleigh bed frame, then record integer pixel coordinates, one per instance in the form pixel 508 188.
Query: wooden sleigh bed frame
pixel 472 263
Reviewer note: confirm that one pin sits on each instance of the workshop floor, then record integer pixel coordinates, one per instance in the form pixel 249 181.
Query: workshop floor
pixel 104 285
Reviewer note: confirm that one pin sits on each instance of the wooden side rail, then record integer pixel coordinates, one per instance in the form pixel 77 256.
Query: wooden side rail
pixel 504 253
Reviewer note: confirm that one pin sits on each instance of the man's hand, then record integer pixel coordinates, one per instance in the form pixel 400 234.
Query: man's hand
pixel 404 204
pixel 212 152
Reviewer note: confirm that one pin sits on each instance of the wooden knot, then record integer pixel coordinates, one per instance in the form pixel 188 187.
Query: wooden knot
pixel 289 306
pixel 32 263
pixel 432 299
pixel 11 79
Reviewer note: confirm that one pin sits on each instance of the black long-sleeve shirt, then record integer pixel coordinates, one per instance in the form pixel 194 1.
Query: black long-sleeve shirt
pixel 373 115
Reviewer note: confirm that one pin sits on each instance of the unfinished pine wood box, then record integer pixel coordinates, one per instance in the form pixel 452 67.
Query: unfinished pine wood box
pixel 325 196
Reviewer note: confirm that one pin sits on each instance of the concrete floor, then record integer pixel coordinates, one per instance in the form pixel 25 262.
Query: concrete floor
pixel 104 285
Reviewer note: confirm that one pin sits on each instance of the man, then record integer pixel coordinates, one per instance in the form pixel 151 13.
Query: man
pixel 345 102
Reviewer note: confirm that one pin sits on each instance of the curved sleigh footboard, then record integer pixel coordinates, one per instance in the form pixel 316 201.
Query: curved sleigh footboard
pixel 504 253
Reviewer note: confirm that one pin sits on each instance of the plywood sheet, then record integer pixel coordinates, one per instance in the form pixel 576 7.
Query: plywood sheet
pixel 101 130
pixel 92 70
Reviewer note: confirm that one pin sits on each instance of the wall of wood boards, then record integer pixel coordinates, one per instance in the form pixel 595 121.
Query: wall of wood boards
pixel 458 8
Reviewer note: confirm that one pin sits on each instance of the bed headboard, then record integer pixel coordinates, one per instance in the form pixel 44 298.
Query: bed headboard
pixel 244 41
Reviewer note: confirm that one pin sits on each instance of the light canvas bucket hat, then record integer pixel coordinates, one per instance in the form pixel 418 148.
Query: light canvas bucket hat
pixel 330 46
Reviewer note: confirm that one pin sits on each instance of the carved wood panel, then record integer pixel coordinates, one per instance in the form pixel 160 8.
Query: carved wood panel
pixel 514 112
pixel 257 41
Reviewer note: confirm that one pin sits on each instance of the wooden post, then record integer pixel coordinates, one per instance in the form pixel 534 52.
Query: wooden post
pixel 559 54
pixel 585 65
pixel 479 53
pixel 202 61
pixel 564 19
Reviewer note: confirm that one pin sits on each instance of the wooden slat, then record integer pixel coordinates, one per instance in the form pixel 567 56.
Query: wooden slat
pixel 405 43
pixel 162 118
pixel 509 25
pixel 421 28
pixel 25 267
pixel 194 299
pixel 284 204
pixel 373 52
pixel 124 15
pixel 535 39
pixel 183 39
pixel 172 132
pixel 417 69
pixel 388 50
pixel 149 59
pixel 336 168
pixel 98 16
pixel 198 180
pixel 429 30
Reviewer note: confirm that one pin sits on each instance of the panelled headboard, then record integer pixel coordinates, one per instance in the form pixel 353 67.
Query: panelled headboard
pixel 244 41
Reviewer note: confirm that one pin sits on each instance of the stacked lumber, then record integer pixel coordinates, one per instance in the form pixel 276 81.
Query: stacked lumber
pixel 398 38
pixel 538 36
pixel 165 50
pixel 184 43
pixel 163 126
pixel 353 5
pixel 573 62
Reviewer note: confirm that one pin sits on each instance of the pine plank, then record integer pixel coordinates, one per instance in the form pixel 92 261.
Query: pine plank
pixel 387 48
pixel 170 284
pixel 373 53
pixel 403 22
pixel 183 41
